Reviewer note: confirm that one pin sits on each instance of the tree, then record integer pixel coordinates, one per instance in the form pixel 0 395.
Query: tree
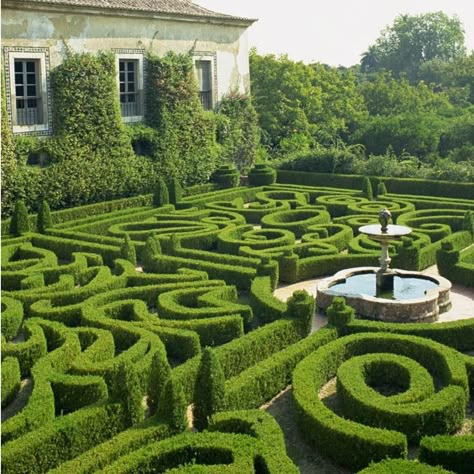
pixel 127 250
pixel 209 390
pixel 370 59
pixel 415 39
pixel 160 193
pixel 367 189
pixel 44 217
pixel 152 249
pixel 173 405
pixel 175 191
pixel 19 223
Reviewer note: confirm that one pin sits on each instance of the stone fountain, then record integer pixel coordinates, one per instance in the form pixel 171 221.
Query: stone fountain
pixel 383 293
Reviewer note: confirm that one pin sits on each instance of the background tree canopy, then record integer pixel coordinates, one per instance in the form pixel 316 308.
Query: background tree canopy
pixel 406 110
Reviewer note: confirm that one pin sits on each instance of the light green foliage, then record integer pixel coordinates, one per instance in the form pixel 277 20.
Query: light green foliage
pixel 44 217
pixel 184 145
pixel 127 250
pixel 238 131
pixel 298 104
pixel 209 390
pixel 19 224
pixel 173 405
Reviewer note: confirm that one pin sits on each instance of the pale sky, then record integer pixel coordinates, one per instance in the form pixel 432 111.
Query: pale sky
pixel 335 32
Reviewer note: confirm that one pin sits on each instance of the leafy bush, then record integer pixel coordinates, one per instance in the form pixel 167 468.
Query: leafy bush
pixel 19 224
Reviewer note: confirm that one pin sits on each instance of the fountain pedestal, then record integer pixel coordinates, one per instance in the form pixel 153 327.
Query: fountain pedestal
pixel 384 235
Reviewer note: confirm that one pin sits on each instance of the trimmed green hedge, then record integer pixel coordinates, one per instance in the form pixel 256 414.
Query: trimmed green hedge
pixel 361 444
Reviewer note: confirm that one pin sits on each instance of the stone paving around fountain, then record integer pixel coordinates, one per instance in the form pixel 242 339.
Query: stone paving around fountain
pixel 462 299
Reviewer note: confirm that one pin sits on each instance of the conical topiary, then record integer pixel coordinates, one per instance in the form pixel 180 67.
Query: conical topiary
pixel 160 193
pixel 19 223
pixel 159 374
pixel 381 189
pixel 175 191
pixel 44 217
pixel 125 388
pixel 127 251
pixel 173 405
pixel 152 248
pixel 209 390
pixel 367 189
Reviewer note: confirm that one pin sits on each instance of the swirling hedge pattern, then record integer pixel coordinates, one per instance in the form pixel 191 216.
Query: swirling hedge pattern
pixel 109 307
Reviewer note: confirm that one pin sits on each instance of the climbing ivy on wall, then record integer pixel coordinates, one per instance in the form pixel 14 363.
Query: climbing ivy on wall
pixel 184 144
pixel 8 154
pixel 90 153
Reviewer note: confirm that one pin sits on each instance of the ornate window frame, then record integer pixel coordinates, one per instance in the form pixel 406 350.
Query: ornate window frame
pixel 42 55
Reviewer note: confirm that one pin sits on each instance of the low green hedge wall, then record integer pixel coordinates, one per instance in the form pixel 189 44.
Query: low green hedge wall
pixel 399 466
pixel 455 453
pixel 361 444
pixel 10 379
pixel 11 317
pixel 394 185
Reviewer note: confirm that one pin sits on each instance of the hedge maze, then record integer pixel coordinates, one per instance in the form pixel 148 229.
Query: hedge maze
pixel 116 317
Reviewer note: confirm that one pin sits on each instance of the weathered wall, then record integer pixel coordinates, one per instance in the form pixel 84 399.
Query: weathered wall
pixel 93 31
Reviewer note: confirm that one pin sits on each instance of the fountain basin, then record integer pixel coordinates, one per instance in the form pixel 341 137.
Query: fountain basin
pixel 416 297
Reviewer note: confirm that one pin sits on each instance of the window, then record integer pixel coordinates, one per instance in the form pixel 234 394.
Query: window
pixel 28 91
pixel 128 87
pixel 130 84
pixel 204 77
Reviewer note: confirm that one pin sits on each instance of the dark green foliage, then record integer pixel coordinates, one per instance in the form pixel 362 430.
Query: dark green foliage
pixel 173 405
pixel 160 193
pixel 209 390
pixel 339 314
pixel 127 250
pixel 175 191
pixel 125 388
pixel 43 221
pixel 262 175
pixel 19 223
pixel 238 131
pixel 226 176
pixel 184 146
pixel 367 189
pixel 381 189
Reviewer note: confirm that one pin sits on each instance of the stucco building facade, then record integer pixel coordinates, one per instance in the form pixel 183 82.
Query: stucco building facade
pixel 36 34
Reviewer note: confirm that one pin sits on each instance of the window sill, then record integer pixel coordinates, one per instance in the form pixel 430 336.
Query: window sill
pixel 133 119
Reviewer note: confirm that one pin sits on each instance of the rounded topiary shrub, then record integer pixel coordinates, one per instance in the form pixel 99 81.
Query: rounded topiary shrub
pixel 262 175
pixel 226 176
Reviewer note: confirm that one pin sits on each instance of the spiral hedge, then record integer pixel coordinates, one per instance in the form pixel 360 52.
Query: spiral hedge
pixel 113 304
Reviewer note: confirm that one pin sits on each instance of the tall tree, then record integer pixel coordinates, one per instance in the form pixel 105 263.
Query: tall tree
pixel 414 39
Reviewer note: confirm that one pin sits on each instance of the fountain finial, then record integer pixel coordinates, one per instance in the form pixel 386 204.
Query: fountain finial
pixel 384 218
